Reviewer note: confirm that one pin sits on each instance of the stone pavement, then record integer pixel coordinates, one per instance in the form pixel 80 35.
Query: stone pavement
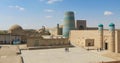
pixel 109 54
pixel 76 55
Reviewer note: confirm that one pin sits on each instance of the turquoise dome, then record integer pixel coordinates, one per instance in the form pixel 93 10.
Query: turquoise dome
pixel 111 24
pixel 100 25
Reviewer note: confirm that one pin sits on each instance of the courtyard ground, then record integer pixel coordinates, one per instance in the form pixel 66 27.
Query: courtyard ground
pixel 75 55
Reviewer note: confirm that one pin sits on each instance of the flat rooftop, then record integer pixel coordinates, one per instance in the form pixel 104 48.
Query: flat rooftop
pixel 9 54
pixel 75 55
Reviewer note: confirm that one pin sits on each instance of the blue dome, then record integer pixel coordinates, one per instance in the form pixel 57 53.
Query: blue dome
pixel 100 25
pixel 111 24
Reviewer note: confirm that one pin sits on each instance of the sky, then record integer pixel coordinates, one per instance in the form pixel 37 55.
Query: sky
pixel 33 14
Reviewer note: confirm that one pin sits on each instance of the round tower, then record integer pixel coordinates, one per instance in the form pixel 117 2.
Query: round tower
pixel 69 23
pixel 111 45
pixel 100 29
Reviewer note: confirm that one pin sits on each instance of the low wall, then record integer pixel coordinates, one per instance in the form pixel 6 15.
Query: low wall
pixel 32 42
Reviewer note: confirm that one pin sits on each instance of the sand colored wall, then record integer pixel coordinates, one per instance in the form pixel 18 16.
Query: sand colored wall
pixel 46 42
pixel 106 38
pixel 78 37
pixel 117 41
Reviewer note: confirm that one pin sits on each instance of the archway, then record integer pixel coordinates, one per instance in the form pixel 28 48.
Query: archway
pixel 106 45
pixel 81 27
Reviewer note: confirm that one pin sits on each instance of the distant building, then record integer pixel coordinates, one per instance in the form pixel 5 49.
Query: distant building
pixel 81 25
pixel 16 34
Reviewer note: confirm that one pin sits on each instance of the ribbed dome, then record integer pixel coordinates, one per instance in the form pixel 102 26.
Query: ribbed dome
pixel 15 27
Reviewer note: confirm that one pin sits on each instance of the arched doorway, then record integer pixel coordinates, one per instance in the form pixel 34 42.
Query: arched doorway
pixel 81 27
pixel 106 45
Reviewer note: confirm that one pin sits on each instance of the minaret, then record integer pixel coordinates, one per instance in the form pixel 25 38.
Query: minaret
pixel 69 23
pixel 111 45
pixel 100 29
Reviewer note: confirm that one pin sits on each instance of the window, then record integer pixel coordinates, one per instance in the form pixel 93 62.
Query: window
pixel 89 42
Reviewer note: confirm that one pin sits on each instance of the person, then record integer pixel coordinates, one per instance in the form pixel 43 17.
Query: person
pixel 69 42
pixel 67 49
pixel 100 49
pixel 97 49
pixel 88 49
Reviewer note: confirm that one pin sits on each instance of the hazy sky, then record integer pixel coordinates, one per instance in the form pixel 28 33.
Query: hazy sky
pixel 32 14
